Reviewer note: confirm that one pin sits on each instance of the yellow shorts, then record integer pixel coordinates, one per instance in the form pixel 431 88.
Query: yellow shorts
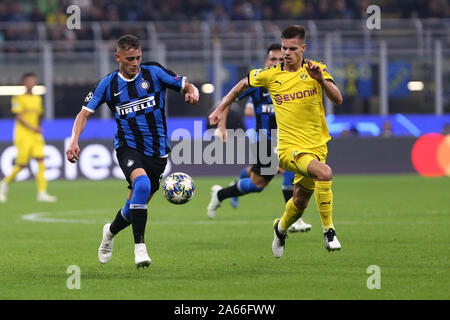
pixel 297 161
pixel 29 147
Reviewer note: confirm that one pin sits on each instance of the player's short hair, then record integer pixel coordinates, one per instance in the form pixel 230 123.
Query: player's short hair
pixel 274 46
pixel 294 31
pixel 26 75
pixel 128 42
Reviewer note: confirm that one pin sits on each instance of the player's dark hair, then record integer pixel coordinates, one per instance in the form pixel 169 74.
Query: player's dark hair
pixel 274 46
pixel 294 31
pixel 26 75
pixel 128 42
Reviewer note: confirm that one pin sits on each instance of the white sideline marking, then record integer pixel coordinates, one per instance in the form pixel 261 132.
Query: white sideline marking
pixel 44 217
pixel 61 217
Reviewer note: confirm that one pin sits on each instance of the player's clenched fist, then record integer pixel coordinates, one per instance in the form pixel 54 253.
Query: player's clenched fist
pixel 191 95
pixel 72 153
pixel 214 117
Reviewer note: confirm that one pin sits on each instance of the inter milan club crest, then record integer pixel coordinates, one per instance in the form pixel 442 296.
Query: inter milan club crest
pixel 303 76
pixel 145 85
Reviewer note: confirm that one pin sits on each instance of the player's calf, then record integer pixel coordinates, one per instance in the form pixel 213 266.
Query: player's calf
pixel 138 207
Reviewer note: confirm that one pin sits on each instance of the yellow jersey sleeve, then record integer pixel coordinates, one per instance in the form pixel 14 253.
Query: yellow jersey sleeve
pixel 260 77
pixel 16 106
pixel 325 72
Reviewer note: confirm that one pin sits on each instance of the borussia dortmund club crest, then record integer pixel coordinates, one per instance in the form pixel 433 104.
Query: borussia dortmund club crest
pixel 303 76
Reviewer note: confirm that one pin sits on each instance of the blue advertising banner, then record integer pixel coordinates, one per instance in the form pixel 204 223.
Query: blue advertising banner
pixel 399 74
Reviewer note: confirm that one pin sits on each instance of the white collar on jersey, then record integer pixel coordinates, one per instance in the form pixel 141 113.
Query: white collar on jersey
pixel 127 80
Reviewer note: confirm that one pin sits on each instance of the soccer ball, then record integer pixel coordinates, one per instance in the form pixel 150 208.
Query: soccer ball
pixel 178 188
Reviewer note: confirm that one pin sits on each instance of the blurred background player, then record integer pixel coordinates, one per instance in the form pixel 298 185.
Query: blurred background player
pixel 135 94
pixel 28 110
pixel 250 180
pixel 297 85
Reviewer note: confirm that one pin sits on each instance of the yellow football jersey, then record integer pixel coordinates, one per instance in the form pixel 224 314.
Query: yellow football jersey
pixel 31 108
pixel 298 104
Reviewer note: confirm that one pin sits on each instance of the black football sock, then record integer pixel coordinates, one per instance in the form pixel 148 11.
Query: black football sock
pixel 138 219
pixel 119 223
pixel 287 195
pixel 229 192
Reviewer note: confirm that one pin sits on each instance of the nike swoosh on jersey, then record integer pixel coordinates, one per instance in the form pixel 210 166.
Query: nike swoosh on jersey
pixel 116 94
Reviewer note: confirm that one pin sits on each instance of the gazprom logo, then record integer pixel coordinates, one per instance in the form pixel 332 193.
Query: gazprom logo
pixel 136 106
pixel 279 99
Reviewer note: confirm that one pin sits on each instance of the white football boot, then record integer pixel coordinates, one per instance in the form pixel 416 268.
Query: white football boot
pixel 278 240
pixel 214 204
pixel 300 226
pixel 106 247
pixel 330 240
pixel 141 258
pixel 3 191
pixel 43 196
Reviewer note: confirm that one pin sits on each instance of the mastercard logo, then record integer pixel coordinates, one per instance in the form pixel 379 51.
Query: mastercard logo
pixel 430 155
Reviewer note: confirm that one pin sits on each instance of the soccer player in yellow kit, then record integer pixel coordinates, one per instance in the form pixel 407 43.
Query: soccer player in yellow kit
pixel 28 138
pixel 296 87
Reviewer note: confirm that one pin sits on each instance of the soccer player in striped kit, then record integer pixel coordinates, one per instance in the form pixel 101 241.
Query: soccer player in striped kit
pixel 135 94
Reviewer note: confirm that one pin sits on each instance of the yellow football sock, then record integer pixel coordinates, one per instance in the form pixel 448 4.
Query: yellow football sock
pixel 40 177
pixel 290 215
pixel 324 200
pixel 12 176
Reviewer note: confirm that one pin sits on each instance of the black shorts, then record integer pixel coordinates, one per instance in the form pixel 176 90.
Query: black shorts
pixel 131 159
pixel 256 168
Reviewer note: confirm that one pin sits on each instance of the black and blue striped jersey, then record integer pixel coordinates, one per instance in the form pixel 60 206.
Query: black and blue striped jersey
pixel 263 109
pixel 138 106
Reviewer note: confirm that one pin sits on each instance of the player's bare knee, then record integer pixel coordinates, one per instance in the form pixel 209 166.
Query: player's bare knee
pixel 259 181
pixel 300 203
pixel 324 174
pixel 261 184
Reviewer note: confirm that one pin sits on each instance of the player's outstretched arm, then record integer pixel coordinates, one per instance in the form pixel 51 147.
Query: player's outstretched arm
pixel 226 102
pixel 73 151
pixel 191 94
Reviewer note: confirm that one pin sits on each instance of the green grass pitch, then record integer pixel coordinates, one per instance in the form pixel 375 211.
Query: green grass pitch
pixel 398 223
